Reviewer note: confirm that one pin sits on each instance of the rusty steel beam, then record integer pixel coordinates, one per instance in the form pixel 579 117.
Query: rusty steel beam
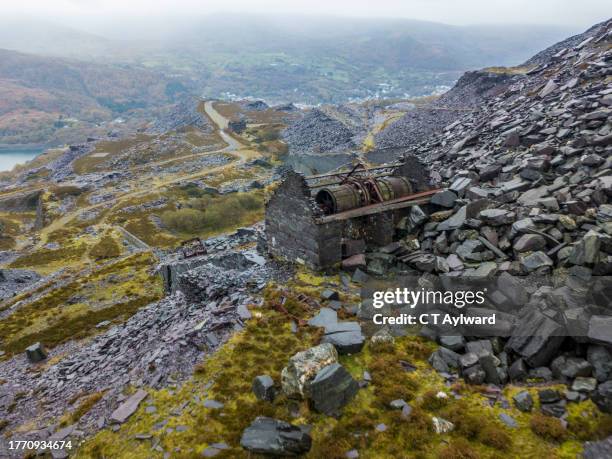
pixel 406 201
pixel 336 174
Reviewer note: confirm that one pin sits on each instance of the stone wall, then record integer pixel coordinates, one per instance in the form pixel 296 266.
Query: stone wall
pixel 291 231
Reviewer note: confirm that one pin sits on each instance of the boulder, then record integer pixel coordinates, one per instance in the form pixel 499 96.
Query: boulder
pixel 326 318
pixel 36 353
pixel 444 198
pixel 535 261
pixel 600 330
pixel 584 385
pixel 488 362
pixel 603 397
pixel 600 359
pixel 474 375
pixel 304 366
pixel 453 342
pixel 530 243
pixel 275 438
pixel 536 339
pixel 456 221
pixel 331 389
pixel 570 367
pixel 549 395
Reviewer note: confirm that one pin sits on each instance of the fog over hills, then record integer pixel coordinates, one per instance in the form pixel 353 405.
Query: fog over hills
pixel 283 58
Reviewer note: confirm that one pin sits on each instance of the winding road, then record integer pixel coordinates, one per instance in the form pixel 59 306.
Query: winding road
pixel 234 148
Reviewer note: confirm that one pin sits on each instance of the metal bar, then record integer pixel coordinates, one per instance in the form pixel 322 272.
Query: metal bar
pixel 335 174
pixel 411 200
pixel 321 184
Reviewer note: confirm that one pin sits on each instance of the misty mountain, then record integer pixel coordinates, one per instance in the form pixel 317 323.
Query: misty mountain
pixel 50 72
pixel 39 95
pixel 294 58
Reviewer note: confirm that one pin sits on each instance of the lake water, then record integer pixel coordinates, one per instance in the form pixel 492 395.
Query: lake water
pixel 10 157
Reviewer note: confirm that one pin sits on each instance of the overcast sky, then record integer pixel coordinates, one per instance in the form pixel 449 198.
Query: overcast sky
pixel 460 12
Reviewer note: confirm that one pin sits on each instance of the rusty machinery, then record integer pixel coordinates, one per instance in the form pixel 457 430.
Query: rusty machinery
pixel 193 248
pixel 358 191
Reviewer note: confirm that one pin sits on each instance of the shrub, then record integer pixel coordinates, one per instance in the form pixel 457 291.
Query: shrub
pixel 458 449
pixel 249 201
pixel 212 213
pixel 548 427
pixel 495 436
pixel 184 220
pixel 106 248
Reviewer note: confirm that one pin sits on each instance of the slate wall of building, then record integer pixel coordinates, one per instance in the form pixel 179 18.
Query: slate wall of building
pixel 291 231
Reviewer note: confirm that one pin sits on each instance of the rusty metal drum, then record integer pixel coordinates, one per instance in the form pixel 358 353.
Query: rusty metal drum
pixel 393 187
pixel 334 199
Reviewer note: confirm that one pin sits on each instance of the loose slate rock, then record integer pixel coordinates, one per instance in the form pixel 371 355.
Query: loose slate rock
pixel 331 389
pixel 603 397
pixel 263 388
pixel 598 449
pixel 346 338
pixel 274 437
pixel 523 401
pixel 127 408
pixel 304 365
pixel 326 318
pixel 36 353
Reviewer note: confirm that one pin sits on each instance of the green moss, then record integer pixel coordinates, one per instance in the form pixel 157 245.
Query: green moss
pixel 113 293
pixel 45 257
pixel 108 247
pixel 586 422
pixel 265 346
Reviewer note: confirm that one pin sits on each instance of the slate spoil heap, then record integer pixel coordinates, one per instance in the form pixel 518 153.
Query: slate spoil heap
pixel 528 184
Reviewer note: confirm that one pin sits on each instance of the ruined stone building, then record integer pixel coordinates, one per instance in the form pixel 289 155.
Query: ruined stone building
pixel 320 220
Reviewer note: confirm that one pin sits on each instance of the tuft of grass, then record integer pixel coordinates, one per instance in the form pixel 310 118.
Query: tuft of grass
pixel 548 427
pixel 431 401
pixel 84 406
pixel 459 448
